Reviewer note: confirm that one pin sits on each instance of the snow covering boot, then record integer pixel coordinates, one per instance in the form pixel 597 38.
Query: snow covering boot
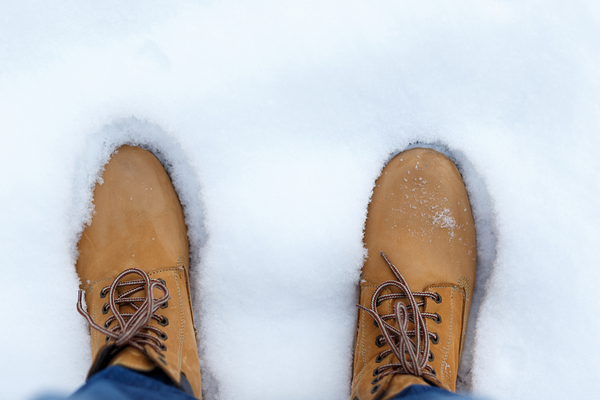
pixel 417 281
pixel 134 267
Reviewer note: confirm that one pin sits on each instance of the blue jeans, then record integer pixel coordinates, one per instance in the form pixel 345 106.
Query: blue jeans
pixel 418 392
pixel 119 383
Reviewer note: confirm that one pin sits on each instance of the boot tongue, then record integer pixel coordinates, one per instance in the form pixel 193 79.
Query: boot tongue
pixel 388 307
pixel 127 308
pixel 140 292
pixel 401 310
pixel 134 287
pixel 131 357
pixel 134 359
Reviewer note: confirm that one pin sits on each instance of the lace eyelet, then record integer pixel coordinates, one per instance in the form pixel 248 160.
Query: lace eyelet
pixel 163 347
pixel 165 305
pixel 438 319
pixel 105 308
pixel 378 359
pixel 380 341
pixel 163 321
pixel 375 381
pixel 375 388
pixel 378 302
pixel 163 336
pixel 103 293
pixel 433 372
pixel 438 298
pixel 106 324
pixel 376 372
pixel 375 323
pixel 431 357
pixel 436 338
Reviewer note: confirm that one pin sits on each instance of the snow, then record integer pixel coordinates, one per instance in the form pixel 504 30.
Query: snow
pixel 274 119
pixel 444 219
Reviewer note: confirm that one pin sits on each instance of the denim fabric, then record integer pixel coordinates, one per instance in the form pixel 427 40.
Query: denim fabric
pixel 119 383
pixel 420 392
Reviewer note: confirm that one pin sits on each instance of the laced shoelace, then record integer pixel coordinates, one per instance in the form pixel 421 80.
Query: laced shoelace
pixel 411 347
pixel 130 326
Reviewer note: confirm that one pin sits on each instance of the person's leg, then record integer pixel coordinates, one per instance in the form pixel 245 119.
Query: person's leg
pixel 420 392
pixel 417 281
pixel 119 383
pixel 134 269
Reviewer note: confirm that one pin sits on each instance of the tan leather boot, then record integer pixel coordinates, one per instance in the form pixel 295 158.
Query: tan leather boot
pixel 417 282
pixel 134 268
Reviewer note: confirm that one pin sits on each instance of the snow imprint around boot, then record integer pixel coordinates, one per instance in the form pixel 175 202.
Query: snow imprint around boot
pixel 485 227
pixel 90 166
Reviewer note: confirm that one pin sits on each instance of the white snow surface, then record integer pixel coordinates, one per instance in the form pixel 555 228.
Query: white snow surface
pixel 274 119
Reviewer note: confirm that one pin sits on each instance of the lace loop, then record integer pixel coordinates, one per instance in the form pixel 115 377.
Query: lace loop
pixel 411 348
pixel 128 331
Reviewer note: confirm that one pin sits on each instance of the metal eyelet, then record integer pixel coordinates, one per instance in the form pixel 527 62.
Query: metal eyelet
pixel 163 321
pixel 378 359
pixel 438 319
pixel 375 323
pixel 378 302
pixel 163 336
pixel 436 338
pixel 375 388
pixel 106 340
pixel 380 341
pixel 162 281
pixel 438 298
pixel 376 372
pixel 163 347
pixel 103 294
pixel 431 357
pixel 105 308
pixel 375 381
pixel 106 324
pixel 433 372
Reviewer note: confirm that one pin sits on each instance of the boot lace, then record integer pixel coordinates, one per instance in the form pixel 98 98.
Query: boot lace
pixel 128 331
pixel 410 347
